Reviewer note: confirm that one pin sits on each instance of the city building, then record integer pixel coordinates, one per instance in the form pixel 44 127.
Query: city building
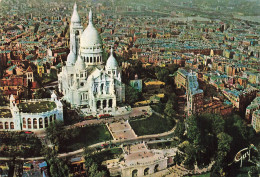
pixel 194 95
pixel 138 160
pixel 30 114
pixel 254 106
pixel 85 82
pixel 256 120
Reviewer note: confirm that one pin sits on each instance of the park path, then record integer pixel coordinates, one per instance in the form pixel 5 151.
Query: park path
pixel 121 141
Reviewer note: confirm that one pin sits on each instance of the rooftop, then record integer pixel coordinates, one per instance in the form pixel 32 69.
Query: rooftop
pixel 37 107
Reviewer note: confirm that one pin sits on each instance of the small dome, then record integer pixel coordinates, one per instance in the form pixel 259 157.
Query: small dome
pixel 80 64
pixel 90 36
pixel 111 62
pixel 71 59
pixel 75 16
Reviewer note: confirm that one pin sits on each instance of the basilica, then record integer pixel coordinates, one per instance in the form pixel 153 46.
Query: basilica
pixel 85 81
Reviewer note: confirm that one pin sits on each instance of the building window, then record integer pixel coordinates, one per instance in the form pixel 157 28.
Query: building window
pixel 94 59
pixel 24 123
pixel 40 123
pixel 34 123
pixel 1 125
pixel 29 123
pixel 12 125
pixel 46 122
pixel 90 59
pixel 6 125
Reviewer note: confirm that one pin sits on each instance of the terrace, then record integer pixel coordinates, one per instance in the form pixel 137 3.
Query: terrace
pixel 37 107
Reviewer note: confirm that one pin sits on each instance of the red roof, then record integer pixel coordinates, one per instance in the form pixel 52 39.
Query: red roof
pixel 29 69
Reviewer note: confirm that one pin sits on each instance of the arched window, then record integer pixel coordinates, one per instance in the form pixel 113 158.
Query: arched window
pixel 1 125
pixel 146 171
pixel 34 123
pixel 94 59
pixel 90 59
pixel 6 125
pixel 87 60
pixel 12 125
pixel 29 123
pixel 40 123
pixel 46 121
pixel 134 173
pixel 97 59
pixel 24 123
pixel 51 119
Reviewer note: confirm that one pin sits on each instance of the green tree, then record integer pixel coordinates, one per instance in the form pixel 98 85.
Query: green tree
pixel 57 133
pixel 2 99
pixel 169 111
pixel 57 166
pixel 131 95
pixel 224 141
pixel 180 129
pixel 162 74
pixel 42 93
pixel 193 131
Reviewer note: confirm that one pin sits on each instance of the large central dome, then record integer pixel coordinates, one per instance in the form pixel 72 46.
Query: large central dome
pixel 90 37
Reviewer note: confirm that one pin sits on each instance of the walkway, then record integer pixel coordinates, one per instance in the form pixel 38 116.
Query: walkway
pixel 120 141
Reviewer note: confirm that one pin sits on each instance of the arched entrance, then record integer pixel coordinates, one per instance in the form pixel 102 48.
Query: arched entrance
pixel 134 173
pixel 110 103
pixel 146 171
pixel 156 168
pixel 104 103
pixel 1 125
pixel 98 104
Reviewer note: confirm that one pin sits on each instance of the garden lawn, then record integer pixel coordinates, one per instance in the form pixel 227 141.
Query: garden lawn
pixel 152 125
pixel 87 136
pixel 37 107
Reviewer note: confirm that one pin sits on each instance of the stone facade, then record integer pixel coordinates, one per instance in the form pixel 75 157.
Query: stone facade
pixel 85 82
pixel 19 120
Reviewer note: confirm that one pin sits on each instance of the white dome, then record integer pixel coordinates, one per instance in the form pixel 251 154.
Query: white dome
pixel 111 62
pixel 90 36
pixel 80 64
pixel 75 16
pixel 71 59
